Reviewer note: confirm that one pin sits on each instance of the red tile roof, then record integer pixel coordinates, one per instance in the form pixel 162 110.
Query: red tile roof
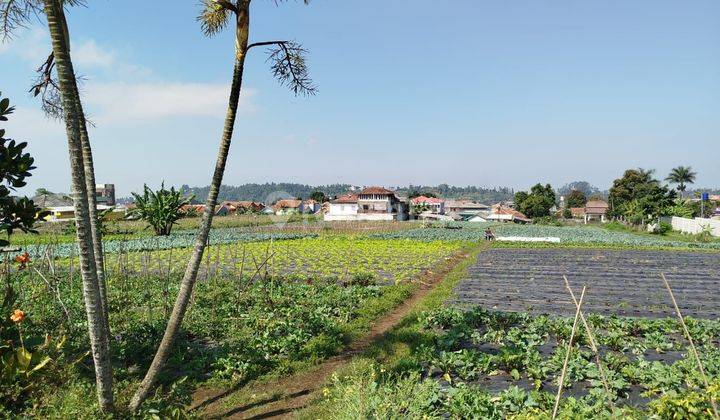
pixel 596 207
pixel 511 212
pixel 376 190
pixel 427 200
pixel 346 199
pixel 287 204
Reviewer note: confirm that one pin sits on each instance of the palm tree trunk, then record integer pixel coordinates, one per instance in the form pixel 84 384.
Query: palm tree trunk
pixel 190 276
pixel 89 171
pixel 91 291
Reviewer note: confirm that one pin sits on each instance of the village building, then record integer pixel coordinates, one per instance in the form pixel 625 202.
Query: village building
pixel 596 209
pixel 431 204
pixel 500 213
pixel 372 203
pixel 242 207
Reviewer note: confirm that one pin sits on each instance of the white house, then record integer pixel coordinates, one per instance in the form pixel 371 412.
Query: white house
pixel 372 203
pixel 343 208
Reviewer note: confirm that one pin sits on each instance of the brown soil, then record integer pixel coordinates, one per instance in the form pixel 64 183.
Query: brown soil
pixel 280 398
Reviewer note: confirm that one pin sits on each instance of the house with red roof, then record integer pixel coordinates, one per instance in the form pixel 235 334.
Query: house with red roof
pixel 500 213
pixel 432 204
pixel 370 203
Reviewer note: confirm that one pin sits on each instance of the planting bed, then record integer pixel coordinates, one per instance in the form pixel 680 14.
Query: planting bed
pixel 623 283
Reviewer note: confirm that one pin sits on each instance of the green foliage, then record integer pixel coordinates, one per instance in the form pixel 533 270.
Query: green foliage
pixel 536 203
pixel 160 209
pixel 520 357
pixel 682 175
pixel 682 209
pixel 663 228
pixel 567 214
pixel 15 166
pixel 319 196
pixel 576 198
pixel 639 198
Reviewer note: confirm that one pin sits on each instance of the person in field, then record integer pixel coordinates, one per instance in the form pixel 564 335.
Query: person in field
pixel 489 235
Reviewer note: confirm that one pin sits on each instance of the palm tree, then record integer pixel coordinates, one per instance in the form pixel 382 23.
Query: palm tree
pixel 95 305
pixel 14 14
pixel 288 66
pixel 682 175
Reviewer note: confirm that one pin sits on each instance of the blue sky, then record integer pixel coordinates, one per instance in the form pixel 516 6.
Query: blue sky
pixel 491 93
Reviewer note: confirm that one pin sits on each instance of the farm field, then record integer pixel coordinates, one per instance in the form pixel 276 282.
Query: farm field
pixel 623 283
pixel 316 293
pixel 493 341
pixel 593 236
pixel 303 257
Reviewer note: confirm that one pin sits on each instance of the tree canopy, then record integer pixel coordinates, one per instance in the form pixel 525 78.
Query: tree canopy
pixel 639 197
pixel 536 203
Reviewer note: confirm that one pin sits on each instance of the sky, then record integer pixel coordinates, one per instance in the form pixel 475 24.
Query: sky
pixel 464 92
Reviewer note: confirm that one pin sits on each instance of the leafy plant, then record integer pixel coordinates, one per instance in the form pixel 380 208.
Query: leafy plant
pixel 15 166
pixel 161 209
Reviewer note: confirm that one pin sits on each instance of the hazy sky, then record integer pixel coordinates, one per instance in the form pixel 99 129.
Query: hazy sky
pixel 495 93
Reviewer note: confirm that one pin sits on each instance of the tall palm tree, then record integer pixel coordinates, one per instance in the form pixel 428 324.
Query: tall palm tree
pixel 94 302
pixel 14 14
pixel 682 175
pixel 288 66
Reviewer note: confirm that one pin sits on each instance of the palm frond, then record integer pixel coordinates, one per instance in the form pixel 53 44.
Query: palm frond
pixel 16 14
pixel 214 16
pixel 289 66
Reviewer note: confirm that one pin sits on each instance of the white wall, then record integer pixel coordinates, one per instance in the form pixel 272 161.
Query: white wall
pixel 337 209
pixel 695 226
pixel 359 216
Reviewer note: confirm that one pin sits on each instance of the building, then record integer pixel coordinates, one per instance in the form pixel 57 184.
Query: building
pixel 372 203
pixel 242 207
pixel 105 194
pixel 596 209
pixel 500 213
pixel 432 204
pixel 344 207
pixel 67 213
pixel 288 206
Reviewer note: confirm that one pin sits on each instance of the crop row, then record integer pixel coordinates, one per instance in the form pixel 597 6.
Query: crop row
pixel 494 365
pixel 340 258
pixel 469 231
pixel 181 239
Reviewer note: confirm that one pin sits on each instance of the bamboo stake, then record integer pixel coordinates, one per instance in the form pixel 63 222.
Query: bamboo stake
pixel 593 344
pixel 692 345
pixel 567 355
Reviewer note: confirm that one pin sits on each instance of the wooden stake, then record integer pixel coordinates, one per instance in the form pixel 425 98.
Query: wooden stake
pixel 692 345
pixel 567 355
pixel 593 345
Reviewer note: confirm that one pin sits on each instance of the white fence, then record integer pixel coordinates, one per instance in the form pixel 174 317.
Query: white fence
pixel 695 225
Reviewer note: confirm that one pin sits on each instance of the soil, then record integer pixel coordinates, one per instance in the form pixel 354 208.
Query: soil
pixel 623 283
pixel 280 398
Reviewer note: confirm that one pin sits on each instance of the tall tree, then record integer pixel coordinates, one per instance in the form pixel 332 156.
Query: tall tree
pixel 536 203
pixel 14 14
pixel 638 196
pixel 576 198
pixel 287 60
pixel 682 175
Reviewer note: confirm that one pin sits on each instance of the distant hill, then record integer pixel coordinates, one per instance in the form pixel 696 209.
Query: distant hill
pixel 270 192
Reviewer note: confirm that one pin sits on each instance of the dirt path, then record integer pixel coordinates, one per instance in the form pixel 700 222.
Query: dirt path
pixel 279 398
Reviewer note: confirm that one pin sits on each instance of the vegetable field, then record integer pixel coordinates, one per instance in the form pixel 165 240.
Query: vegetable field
pixel 579 235
pixel 328 258
pixel 625 283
